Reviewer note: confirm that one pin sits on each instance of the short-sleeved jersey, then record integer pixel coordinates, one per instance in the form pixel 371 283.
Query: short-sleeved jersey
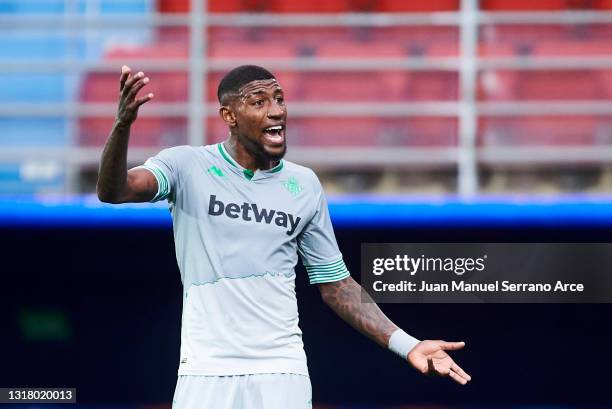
pixel 237 235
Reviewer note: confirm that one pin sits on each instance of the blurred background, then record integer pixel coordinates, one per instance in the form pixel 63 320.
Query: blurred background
pixel 426 120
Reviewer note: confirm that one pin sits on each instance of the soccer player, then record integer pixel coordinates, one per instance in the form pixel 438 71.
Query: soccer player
pixel 241 214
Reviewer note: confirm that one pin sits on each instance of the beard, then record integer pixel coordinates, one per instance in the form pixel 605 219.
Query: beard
pixel 258 151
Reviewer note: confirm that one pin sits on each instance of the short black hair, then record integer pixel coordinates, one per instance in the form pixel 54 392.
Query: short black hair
pixel 236 78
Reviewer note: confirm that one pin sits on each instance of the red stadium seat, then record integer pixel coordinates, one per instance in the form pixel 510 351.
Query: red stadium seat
pixel 603 4
pixel 352 86
pixel 538 131
pixel 361 50
pixel 173 6
pixel 158 51
pixel 416 6
pixel 433 86
pixel 253 50
pixel 333 131
pixel 549 48
pixel 310 6
pixel 301 37
pixel 559 85
pixel 497 85
pixel 516 5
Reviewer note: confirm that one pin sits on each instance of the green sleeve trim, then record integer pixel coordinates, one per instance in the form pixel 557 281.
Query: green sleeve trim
pixel 163 186
pixel 330 279
pixel 326 273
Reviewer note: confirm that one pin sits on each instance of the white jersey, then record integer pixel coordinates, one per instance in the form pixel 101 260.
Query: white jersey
pixel 237 236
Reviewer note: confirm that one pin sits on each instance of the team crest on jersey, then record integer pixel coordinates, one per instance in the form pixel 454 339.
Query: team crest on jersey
pixel 293 186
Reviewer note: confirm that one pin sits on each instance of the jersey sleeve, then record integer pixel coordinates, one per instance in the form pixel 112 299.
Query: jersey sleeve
pixel 318 247
pixel 168 167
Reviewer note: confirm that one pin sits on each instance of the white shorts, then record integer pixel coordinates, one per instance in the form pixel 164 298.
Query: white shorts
pixel 256 391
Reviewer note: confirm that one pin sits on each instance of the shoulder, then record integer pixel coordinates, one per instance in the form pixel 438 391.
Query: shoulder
pixel 304 175
pixel 185 155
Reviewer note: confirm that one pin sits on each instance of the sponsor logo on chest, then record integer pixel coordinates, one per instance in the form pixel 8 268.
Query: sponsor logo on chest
pixel 251 212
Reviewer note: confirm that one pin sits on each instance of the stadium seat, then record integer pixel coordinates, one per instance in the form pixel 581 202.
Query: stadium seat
pixel 538 131
pixel 517 5
pixel 310 6
pixel 583 48
pixel 433 86
pixel 497 85
pixel 333 131
pixel 603 4
pixel 252 50
pixel 214 6
pixel 408 6
pixel 303 38
pixel 559 85
pixel 361 50
pixel 352 86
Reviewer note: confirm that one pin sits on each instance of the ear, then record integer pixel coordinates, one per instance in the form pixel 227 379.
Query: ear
pixel 227 115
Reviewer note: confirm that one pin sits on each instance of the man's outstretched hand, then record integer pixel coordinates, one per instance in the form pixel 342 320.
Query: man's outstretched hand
pixel 129 85
pixel 429 357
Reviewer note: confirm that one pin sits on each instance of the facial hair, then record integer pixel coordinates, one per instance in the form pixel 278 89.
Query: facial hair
pixel 257 150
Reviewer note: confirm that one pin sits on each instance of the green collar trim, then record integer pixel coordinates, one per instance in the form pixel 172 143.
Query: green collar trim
pixel 226 155
pixel 248 173
pixel 278 167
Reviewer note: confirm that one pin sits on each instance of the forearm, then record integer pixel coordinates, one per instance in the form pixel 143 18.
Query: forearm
pixel 112 177
pixel 344 298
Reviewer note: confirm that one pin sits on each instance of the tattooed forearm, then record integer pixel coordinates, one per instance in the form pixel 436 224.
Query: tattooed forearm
pixel 344 297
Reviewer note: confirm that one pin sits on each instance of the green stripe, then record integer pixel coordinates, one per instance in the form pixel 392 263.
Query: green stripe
pixel 278 167
pixel 328 275
pixel 163 192
pixel 225 154
pixel 335 263
pixel 324 269
pixel 318 280
pixel 162 183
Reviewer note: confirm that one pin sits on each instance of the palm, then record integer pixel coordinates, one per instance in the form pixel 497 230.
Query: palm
pixel 429 357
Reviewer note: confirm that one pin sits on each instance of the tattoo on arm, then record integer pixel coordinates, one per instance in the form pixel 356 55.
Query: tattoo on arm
pixel 344 297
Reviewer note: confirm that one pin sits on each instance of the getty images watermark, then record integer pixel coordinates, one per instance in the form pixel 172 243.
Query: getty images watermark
pixel 487 272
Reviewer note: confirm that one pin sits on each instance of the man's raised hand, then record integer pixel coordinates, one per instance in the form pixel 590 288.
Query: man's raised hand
pixel 429 357
pixel 129 85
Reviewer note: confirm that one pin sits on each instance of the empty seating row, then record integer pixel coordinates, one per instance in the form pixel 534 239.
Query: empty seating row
pixel 376 132
pixel 343 6
pixel 313 6
pixel 307 132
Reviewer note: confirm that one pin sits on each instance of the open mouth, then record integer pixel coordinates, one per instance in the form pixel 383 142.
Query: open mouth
pixel 275 134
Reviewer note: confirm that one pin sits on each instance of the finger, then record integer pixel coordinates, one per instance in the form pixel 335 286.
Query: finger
pixel 457 378
pixel 451 346
pixel 125 73
pixel 143 100
pixel 137 87
pixel 457 369
pixel 131 80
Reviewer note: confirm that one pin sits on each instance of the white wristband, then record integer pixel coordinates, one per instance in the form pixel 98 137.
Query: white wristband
pixel 401 343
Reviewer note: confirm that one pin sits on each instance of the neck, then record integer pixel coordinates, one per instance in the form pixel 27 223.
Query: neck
pixel 244 157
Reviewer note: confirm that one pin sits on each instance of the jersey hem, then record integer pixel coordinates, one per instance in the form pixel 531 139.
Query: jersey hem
pixel 240 372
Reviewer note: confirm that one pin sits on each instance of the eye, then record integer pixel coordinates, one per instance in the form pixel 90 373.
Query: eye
pixel 280 100
pixel 258 102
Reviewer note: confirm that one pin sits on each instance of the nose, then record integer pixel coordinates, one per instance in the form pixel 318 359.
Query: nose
pixel 276 111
